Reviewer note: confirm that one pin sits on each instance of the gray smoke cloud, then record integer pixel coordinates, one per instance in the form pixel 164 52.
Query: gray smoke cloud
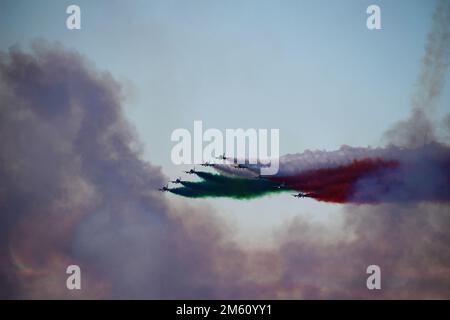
pixel 75 190
pixel 419 129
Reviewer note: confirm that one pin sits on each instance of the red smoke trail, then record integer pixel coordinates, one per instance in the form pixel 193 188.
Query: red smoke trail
pixel 337 184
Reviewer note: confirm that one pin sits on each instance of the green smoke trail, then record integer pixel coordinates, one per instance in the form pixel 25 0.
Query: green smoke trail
pixel 216 185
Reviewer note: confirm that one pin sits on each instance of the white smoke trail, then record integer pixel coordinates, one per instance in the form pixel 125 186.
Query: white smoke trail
pixel 292 164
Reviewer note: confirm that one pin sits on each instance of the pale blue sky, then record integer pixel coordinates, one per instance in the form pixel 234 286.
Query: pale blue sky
pixel 309 68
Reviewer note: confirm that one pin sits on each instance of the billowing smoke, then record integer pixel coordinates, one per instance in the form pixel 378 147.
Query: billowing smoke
pixel 75 190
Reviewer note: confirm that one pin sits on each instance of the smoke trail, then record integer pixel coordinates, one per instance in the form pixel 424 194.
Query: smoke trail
pixel 349 175
pixel 419 129
pixel 230 170
pixel 437 58
pixel 413 176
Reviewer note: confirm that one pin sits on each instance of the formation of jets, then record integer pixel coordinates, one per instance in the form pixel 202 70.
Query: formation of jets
pixel 282 185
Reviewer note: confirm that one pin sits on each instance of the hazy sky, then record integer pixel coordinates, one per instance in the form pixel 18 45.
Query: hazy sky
pixel 310 68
